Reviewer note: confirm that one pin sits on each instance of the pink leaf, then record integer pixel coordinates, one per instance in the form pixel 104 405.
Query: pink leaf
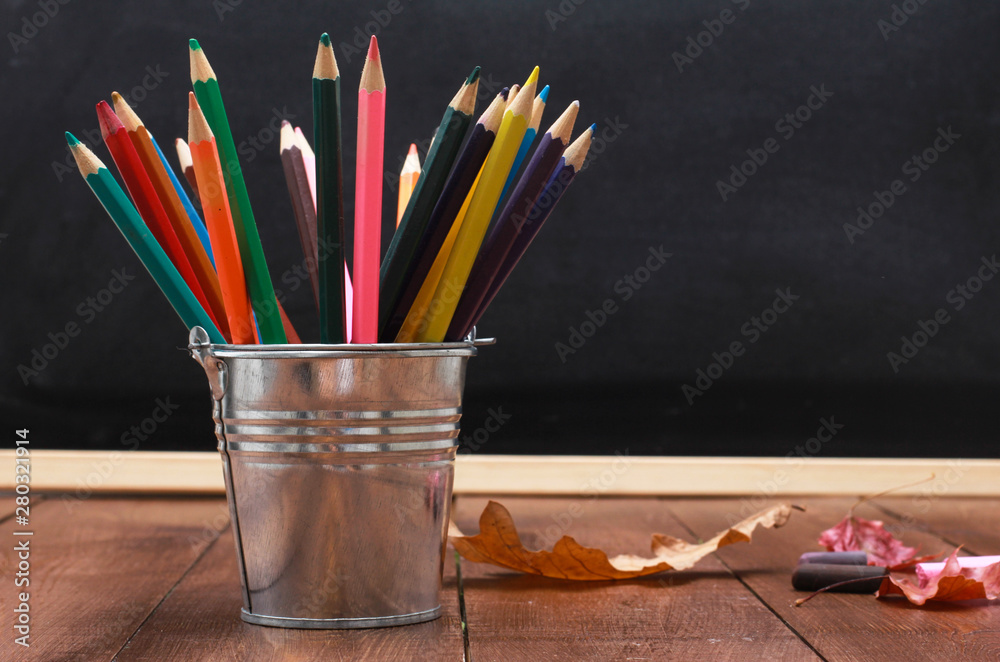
pixel 858 534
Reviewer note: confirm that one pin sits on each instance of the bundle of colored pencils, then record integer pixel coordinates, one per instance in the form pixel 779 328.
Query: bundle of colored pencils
pixel 464 217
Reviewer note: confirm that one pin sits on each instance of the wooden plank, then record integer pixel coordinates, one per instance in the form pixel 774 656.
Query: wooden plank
pixel 98 567
pixel 846 626
pixel 974 523
pixel 704 613
pixel 200 620
pixel 160 472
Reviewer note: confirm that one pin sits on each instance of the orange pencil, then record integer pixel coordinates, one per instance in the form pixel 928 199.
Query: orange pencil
pixel 408 177
pixel 176 213
pixel 219 220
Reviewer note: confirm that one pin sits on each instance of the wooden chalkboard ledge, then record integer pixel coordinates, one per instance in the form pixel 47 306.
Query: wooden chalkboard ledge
pixel 86 472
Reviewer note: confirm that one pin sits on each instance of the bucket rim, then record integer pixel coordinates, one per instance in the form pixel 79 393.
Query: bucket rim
pixel 198 340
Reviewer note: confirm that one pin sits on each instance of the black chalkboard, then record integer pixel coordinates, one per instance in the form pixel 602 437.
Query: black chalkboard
pixel 789 222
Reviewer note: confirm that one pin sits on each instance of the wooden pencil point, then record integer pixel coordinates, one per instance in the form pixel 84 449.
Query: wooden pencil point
pixel 86 160
pixel 465 99
pixel 562 128
pixel 201 70
pixel 576 153
pixel 493 115
pixel 512 93
pixel 125 113
pixel 525 99
pixel 106 118
pixel 198 129
pixel 473 77
pixel 372 79
pixel 537 109
pixel 287 136
pixel 325 67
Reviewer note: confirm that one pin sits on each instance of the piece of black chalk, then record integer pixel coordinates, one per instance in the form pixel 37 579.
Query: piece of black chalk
pixel 815 576
pixel 835 558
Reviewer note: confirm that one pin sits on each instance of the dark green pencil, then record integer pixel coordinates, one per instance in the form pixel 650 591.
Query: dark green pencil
pixel 329 194
pixel 411 235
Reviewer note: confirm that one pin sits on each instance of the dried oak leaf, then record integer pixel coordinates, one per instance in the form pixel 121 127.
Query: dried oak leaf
pixel 859 534
pixel 499 544
pixel 951 583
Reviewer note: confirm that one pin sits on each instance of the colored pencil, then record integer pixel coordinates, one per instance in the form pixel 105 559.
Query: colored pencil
pixel 512 94
pixel 172 205
pixel 131 225
pixel 293 164
pixel 368 197
pixel 408 176
pixel 192 213
pixel 496 248
pixel 537 110
pixel 206 89
pixel 329 193
pixel 416 320
pixel 484 201
pixel 309 159
pixel 184 158
pixel 150 208
pixel 569 165
pixel 443 217
pixel 218 217
pixel 416 225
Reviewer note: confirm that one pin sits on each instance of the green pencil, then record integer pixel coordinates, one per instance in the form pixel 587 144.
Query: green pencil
pixel 206 90
pixel 411 235
pixel 123 213
pixel 329 194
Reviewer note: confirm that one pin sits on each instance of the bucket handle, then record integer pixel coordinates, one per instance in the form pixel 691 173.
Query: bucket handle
pixel 215 368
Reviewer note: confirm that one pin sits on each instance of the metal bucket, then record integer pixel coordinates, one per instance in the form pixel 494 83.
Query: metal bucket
pixel 338 461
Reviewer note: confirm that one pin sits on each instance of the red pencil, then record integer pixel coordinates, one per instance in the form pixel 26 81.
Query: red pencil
pixel 144 195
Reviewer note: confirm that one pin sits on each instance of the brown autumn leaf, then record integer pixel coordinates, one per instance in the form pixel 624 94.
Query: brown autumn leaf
pixel 951 583
pixel 498 543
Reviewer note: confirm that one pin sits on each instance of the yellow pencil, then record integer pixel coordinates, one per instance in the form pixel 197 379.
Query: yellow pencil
pixel 494 174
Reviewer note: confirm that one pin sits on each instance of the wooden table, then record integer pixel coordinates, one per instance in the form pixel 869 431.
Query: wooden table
pixel 155 579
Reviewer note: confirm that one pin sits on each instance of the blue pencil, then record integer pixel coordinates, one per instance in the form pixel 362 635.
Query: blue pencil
pixel 529 137
pixel 196 222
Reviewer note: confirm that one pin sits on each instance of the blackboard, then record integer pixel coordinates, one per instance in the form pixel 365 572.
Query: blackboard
pixel 788 228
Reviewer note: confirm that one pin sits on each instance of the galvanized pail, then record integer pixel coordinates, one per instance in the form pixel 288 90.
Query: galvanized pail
pixel 338 461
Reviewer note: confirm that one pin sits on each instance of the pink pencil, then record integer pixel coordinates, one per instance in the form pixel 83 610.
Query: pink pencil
pixel 368 198
pixel 309 160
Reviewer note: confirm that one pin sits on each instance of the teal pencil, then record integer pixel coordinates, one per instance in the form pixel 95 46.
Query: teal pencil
pixel 121 211
pixel 196 222
pixel 529 137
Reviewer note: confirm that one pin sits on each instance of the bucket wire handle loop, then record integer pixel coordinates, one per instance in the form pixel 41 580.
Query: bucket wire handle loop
pixel 216 369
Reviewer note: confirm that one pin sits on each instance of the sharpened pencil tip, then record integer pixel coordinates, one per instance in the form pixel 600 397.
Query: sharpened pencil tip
pixel 544 94
pixel 593 128
pixel 504 92
pixel 71 139
pixel 194 45
pixel 473 77
pixel 373 49
pixel 413 150
pixel 325 39
pixel 533 78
